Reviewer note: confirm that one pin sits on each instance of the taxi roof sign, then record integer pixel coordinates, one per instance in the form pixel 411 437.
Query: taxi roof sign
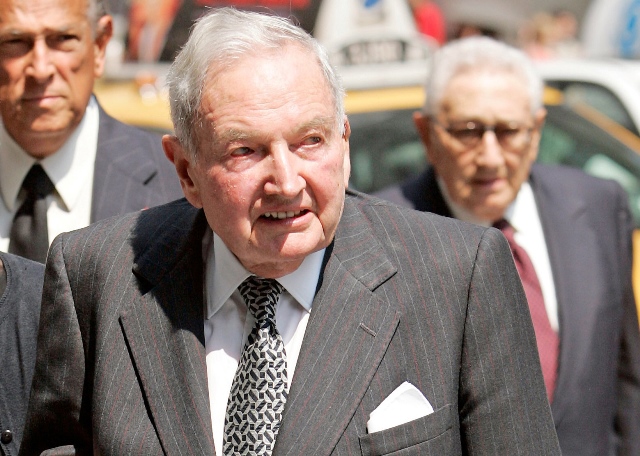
pixel 373 43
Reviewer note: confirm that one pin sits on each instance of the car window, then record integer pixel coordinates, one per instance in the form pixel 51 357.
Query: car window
pixel 569 139
pixel 598 97
pixel 385 149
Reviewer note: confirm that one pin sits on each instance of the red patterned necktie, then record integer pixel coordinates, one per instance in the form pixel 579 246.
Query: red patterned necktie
pixel 546 338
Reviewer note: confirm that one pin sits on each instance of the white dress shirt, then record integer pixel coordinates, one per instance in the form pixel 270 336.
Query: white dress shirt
pixel 227 322
pixel 523 216
pixel 70 169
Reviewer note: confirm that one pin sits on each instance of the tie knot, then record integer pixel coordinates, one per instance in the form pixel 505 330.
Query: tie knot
pixel 36 183
pixel 261 296
pixel 502 224
pixel 506 228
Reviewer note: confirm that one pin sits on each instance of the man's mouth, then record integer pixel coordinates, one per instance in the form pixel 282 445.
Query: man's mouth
pixel 283 214
pixel 40 99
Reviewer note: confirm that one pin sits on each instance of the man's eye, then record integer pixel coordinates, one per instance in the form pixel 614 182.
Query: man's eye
pixel 13 41
pixel 241 151
pixel 15 47
pixel 311 140
pixel 17 41
pixel 65 41
pixel 506 131
pixel 474 132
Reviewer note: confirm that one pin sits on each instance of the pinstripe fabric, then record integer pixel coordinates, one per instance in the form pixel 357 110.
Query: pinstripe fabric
pixel 410 296
pixel 125 374
pixel 587 226
pixel 131 171
pixel 403 296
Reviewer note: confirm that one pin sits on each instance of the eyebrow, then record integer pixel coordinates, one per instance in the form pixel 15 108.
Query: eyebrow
pixel 22 32
pixel 324 123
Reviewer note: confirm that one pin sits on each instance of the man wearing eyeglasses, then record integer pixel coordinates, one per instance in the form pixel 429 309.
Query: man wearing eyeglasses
pixel 570 235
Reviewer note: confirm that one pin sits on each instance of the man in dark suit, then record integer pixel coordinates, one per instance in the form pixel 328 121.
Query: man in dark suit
pixel 481 128
pixel 51 51
pixel 20 294
pixel 395 330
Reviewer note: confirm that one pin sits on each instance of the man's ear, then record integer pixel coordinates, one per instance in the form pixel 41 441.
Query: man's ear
pixel 423 125
pixel 103 34
pixel 185 166
pixel 539 120
pixel 347 158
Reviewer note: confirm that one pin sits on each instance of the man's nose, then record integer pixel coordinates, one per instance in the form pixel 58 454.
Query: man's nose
pixel 41 66
pixel 490 153
pixel 285 178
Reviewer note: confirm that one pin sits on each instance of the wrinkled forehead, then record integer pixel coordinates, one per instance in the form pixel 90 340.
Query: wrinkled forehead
pixel 474 88
pixel 43 16
pixel 270 93
pixel 267 77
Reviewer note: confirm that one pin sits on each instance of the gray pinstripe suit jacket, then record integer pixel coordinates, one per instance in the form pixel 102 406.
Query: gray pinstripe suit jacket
pixel 587 227
pixel 131 173
pixel 403 295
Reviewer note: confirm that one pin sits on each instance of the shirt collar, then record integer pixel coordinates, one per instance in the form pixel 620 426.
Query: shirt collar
pixel 522 214
pixel 224 274
pixel 518 213
pixel 67 168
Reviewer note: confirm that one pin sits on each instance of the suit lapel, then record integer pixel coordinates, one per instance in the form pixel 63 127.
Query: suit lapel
pixel 565 235
pixel 165 334
pixel 348 333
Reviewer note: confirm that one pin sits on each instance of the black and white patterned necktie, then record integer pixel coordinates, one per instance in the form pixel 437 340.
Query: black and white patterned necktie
pixel 259 389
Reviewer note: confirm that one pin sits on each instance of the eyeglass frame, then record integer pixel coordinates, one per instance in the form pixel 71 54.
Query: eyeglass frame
pixel 477 140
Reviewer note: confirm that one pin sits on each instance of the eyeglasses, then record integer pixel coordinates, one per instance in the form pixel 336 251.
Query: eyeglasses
pixel 512 136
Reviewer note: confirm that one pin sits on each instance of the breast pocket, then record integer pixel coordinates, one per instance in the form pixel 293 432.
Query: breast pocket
pixel 430 434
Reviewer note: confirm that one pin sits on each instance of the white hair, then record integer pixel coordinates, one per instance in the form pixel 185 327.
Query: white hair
pixel 95 10
pixel 222 37
pixel 478 52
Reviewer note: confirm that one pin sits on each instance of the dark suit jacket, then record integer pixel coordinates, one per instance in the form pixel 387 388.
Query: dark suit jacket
pixel 588 231
pixel 403 295
pixel 131 171
pixel 19 315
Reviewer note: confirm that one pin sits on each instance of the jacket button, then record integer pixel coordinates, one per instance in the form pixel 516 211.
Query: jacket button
pixel 6 436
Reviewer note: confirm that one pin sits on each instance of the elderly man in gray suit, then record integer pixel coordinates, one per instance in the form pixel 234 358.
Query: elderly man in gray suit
pixel 63 161
pixel 395 331
pixel 481 127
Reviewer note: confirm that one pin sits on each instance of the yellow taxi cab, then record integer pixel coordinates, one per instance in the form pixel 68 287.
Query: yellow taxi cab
pixel 385 147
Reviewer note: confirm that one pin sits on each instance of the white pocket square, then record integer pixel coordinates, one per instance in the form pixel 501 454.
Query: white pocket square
pixel 406 403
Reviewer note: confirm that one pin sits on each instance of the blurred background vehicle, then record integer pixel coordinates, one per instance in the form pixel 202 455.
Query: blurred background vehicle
pixel 611 87
pixel 593 105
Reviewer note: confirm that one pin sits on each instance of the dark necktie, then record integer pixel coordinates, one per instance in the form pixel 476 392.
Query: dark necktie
pixel 546 338
pixel 259 388
pixel 29 237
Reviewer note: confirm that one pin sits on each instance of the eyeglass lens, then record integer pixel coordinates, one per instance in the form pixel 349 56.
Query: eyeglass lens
pixel 512 136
